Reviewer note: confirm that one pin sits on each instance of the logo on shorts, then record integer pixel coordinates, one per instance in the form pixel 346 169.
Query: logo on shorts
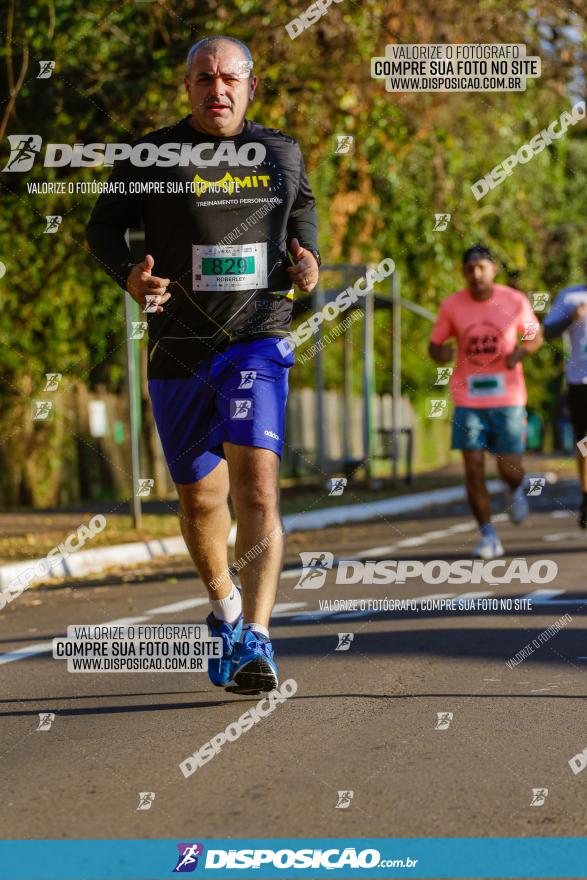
pixel 187 860
pixel 247 378
pixel 271 434
pixel 314 568
pixel 241 409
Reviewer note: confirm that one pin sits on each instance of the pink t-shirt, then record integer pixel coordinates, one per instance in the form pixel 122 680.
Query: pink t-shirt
pixel 486 332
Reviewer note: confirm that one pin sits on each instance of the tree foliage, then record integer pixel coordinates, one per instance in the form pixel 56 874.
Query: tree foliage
pixel 118 73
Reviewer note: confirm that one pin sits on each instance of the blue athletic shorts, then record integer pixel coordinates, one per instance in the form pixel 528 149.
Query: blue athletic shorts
pixel 498 429
pixel 237 395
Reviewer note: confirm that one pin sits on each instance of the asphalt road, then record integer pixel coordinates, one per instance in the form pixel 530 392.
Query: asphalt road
pixel 363 720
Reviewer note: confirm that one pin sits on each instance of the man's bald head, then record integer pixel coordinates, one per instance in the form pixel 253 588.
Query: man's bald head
pixel 209 42
pixel 220 85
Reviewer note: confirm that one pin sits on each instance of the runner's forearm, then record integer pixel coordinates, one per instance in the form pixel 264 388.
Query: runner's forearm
pixel 303 225
pixel 556 327
pixel 108 245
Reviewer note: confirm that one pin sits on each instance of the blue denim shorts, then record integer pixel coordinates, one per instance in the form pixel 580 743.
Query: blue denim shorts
pixel 238 396
pixel 498 429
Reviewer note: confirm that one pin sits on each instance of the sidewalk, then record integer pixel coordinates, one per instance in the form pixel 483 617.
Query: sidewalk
pixel 26 537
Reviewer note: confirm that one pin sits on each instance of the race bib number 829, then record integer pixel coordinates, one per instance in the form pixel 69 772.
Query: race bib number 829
pixel 229 268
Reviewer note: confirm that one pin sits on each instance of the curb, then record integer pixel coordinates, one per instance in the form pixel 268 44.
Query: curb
pixel 95 561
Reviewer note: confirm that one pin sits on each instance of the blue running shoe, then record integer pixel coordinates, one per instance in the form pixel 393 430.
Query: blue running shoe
pixel 219 670
pixel 253 668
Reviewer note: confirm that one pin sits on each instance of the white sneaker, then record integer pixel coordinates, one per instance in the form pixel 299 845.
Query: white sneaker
pixel 518 507
pixel 489 547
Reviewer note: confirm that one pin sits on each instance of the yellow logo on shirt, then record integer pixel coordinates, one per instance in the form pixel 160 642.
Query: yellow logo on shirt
pixel 230 184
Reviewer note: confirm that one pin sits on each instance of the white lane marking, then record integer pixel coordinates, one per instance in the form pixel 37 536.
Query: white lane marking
pixel 416 541
pixel 281 609
pixel 46 647
pixel 561 536
pixel 540 690
pixel 23 653
pixel 561 514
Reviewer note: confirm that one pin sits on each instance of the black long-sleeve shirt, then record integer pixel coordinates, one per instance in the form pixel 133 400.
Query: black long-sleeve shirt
pixel 217 198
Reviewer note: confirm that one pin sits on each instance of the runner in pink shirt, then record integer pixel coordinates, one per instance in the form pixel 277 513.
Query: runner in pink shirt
pixel 495 328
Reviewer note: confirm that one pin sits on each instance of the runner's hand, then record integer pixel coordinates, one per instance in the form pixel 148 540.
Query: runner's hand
pixel 580 312
pixel 141 283
pixel 514 357
pixel 305 272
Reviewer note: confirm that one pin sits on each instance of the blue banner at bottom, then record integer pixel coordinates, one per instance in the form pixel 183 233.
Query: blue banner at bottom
pixel 285 858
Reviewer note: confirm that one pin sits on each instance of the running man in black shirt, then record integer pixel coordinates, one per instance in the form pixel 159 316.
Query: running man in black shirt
pixel 224 202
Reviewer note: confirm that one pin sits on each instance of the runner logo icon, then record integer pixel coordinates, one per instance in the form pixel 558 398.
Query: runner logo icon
pixel 337 485
pixel 53 221
pixel 436 408
pixel 247 378
pixel 187 860
pixel 539 795
pixel 344 144
pixel 345 641
pixel 344 799
pixel 540 300
pixel 23 151
pixel 46 719
pixel 444 719
pixel 315 565
pixel 441 222
pixel 443 375
pixel 53 380
pixel 536 486
pixel 146 799
pixel 241 409
pixel 46 68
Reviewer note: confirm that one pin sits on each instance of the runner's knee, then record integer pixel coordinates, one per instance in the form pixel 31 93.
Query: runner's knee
pixel 200 501
pixel 255 495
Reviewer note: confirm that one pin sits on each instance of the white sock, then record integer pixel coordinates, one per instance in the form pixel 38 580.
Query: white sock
pixel 230 608
pixel 257 628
